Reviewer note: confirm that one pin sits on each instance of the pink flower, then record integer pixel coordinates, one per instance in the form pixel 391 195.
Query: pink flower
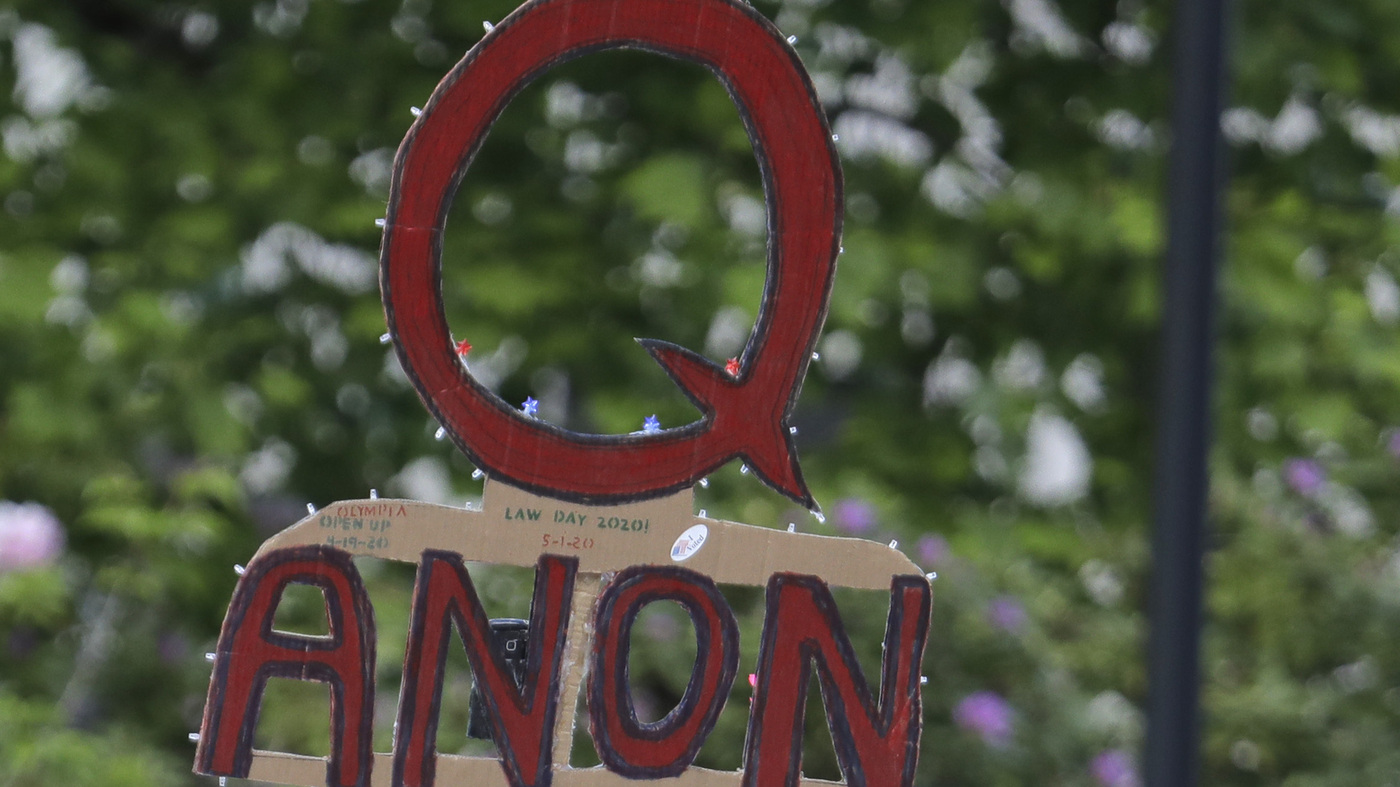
pixel 1114 768
pixel 854 516
pixel 988 715
pixel 1007 614
pixel 30 536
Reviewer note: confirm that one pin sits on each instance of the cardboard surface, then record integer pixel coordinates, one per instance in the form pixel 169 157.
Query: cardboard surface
pixel 515 527
pixel 458 771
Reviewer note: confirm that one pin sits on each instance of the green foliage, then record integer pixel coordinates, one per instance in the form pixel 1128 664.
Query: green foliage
pixel 189 353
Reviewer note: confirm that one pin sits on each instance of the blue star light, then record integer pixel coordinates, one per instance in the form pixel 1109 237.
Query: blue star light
pixel 651 424
pixel 530 407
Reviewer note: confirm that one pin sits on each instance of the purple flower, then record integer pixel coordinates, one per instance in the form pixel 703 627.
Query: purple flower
pixel 30 536
pixel 1007 614
pixel 172 647
pixel 1305 476
pixel 22 642
pixel 854 516
pixel 1114 768
pixel 986 714
pixel 1392 443
pixel 933 550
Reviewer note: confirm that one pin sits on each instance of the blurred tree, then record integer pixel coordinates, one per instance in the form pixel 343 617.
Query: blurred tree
pixel 189 344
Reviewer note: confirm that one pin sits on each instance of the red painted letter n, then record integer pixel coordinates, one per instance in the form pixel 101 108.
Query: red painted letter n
pixel 521 717
pixel 877 744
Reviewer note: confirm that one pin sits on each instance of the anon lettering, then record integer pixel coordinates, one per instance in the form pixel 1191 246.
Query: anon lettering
pixel 876 742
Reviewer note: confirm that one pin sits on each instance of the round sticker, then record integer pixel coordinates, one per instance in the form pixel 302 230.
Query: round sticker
pixel 689 542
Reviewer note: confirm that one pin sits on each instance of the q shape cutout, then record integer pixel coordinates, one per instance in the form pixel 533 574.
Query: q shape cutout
pixel 745 414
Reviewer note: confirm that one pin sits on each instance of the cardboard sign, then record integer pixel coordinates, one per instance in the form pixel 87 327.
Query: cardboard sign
pixel 606 521
pixel 580 628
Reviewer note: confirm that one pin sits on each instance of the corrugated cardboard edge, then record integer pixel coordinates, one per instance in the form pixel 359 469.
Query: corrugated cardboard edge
pixel 575 667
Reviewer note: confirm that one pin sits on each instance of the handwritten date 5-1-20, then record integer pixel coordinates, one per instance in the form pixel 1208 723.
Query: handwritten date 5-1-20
pixel 566 542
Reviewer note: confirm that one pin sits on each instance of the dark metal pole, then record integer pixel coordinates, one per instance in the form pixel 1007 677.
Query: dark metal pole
pixel 1196 179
